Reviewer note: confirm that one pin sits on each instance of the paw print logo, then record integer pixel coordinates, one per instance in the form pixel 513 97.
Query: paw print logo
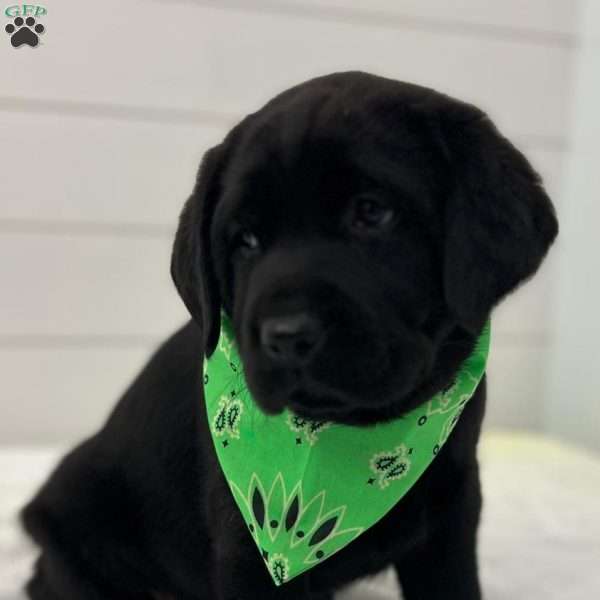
pixel 310 428
pixel 389 466
pixel 24 31
pixel 227 419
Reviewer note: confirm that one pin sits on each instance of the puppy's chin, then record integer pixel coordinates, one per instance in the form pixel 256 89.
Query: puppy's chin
pixel 307 407
pixel 275 392
pixel 312 407
pixel 316 404
pixel 318 408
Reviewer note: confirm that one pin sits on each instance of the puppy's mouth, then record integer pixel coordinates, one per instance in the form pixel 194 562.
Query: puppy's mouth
pixel 315 400
pixel 352 375
pixel 315 407
pixel 300 396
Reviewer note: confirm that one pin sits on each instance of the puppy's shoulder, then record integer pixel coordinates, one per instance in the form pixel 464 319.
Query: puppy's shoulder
pixel 92 512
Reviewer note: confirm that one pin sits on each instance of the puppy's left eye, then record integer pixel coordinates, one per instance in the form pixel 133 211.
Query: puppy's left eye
pixel 246 242
pixel 370 214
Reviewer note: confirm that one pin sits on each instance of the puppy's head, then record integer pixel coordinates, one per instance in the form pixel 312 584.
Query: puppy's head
pixel 358 231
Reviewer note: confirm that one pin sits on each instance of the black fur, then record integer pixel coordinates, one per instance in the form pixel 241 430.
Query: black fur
pixel 141 510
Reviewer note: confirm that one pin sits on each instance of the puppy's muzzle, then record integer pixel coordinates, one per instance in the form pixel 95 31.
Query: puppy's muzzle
pixel 292 340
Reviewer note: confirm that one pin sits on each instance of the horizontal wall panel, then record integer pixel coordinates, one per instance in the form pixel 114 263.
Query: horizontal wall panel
pixel 202 58
pixel 136 174
pixel 110 285
pixel 105 284
pixel 516 386
pixel 55 286
pixel 87 169
pixel 532 16
pixel 61 395
pixel 550 164
pixel 525 316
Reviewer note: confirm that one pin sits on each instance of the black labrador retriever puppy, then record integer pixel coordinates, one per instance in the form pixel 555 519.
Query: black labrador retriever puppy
pixel 384 220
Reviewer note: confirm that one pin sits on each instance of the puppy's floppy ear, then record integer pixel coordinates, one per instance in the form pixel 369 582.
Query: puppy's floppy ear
pixel 499 220
pixel 191 260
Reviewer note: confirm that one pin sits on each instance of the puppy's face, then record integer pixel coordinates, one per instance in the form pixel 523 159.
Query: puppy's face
pixel 331 226
pixel 327 250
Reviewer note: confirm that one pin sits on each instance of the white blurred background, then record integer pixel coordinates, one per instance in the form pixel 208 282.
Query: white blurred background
pixel 103 125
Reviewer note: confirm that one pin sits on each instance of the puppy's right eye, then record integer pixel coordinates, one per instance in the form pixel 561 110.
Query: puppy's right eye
pixel 369 215
pixel 246 243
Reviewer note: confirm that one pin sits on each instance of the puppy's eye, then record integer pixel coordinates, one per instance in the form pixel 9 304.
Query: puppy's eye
pixel 369 214
pixel 246 242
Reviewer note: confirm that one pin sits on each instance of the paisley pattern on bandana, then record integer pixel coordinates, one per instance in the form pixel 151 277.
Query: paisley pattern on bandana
pixel 308 427
pixel 389 466
pixel 227 418
pixel 308 488
pixel 302 528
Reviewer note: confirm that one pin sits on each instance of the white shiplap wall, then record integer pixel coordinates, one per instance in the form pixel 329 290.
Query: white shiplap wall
pixel 571 395
pixel 102 127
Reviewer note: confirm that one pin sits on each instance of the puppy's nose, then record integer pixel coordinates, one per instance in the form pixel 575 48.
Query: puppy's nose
pixel 290 340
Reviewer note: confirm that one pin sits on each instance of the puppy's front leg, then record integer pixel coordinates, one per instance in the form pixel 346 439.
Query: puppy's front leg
pixel 239 571
pixel 246 579
pixel 445 566
pixel 242 576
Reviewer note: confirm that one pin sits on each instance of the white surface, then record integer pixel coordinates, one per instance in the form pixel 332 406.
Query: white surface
pixel 540 536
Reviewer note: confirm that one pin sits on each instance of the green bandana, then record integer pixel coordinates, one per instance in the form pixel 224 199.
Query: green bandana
pixel 308 488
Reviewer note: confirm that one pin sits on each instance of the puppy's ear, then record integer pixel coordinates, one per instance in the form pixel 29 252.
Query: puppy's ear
pixel 191 260
pixel 499 220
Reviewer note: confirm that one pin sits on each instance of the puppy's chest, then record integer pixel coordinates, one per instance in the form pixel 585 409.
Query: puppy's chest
pixel 407 525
